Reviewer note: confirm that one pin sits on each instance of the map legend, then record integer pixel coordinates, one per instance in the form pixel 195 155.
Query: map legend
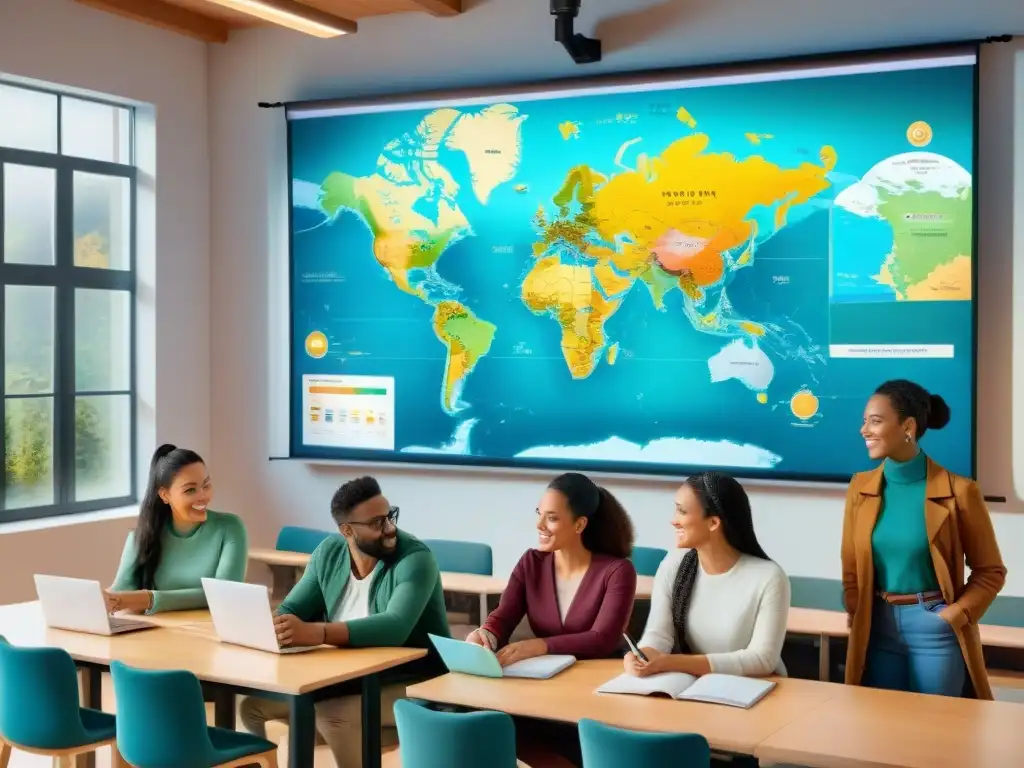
pixel 349 412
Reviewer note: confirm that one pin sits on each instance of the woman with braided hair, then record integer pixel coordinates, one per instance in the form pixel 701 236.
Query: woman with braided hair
pixel 719 603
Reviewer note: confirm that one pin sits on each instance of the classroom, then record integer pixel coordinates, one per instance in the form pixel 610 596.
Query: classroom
pixel 192 305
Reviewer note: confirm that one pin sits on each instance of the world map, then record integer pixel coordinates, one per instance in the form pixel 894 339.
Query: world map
pixel 674 262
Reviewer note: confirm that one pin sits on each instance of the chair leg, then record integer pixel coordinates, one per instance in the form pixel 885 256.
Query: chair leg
pixel 64 761
pixel 5 754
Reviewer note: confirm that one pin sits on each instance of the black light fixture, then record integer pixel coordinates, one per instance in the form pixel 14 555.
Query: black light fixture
pixel 583 49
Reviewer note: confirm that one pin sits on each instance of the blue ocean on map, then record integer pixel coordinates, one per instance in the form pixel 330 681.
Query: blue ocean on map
pixel 640 281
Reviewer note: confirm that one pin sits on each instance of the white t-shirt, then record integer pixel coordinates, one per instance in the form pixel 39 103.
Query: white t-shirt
pixel 355 600
pixel 737 619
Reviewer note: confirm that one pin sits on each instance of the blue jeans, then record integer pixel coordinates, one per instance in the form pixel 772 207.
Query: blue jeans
pixel 912 648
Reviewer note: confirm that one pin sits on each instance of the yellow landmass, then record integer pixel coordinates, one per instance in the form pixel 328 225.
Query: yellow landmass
pixel 467 338
pixel 631 203
pixel 610 281
pixel 613 353
pixel 762 397
pixel 757 138
pixel 567 293
pixel 569 130
pixel 947 282
pixel 684 116
pixel 754 329
pixel 491 140
pixel 403 239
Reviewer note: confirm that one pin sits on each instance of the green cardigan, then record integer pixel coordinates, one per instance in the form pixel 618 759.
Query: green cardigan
pixel 406 599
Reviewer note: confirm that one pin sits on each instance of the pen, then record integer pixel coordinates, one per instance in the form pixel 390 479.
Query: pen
pixel 633 648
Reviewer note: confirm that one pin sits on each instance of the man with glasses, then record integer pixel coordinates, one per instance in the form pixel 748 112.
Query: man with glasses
pixel 373 586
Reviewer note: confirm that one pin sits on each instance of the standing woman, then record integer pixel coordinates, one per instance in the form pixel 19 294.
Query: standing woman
pixel 178 540
pixel 908 529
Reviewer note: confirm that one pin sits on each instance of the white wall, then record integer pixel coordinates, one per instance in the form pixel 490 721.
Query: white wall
pixel 66 44
pixel 510 40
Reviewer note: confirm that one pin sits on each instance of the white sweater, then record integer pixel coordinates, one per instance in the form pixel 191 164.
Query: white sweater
pixel 737 619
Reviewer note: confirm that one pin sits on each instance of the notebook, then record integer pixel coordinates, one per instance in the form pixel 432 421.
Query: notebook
pixel 471 659
pixel 731 690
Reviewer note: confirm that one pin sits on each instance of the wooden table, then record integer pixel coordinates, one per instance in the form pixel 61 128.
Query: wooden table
pixel 826 625
pixel 186 640
pixel 866 728
pixel 571 696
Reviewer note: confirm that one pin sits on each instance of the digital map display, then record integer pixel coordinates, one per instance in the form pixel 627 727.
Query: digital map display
pixel 641 279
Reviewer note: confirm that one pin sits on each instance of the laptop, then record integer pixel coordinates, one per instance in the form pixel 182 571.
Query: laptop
pixel 242 616
pixel 472 659
pixel 78 605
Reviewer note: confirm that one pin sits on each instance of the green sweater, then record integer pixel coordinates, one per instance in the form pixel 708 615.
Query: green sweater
pixel 903 560
pixel 406 600
pixel 217 548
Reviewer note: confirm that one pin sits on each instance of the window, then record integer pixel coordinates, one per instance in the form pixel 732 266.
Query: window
pixel 67 308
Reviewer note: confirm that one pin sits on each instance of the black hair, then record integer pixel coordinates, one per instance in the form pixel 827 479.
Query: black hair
pixel 351 495
pixel 154 512
pixel 609 530
pixel 911 400
pixel 723 497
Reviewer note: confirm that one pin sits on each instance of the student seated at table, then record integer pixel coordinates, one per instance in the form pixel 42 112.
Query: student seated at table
pixel 178 540
pixel 719 604
pixel 577 587
pixel 373 586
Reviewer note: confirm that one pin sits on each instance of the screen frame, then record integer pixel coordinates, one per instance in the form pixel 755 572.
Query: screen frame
pixel 658 79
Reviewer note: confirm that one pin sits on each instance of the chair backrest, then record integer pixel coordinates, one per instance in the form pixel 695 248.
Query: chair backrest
pixel 39 698
pixel 647 559
pixel 161 718
pixel 462 556
pixel 293 538
pixel 604 746
pixel 432 739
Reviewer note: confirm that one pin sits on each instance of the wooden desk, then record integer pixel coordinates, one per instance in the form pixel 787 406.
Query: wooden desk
pixel 829 624
pixel 186 640
pixel 570 697
pixel 865 728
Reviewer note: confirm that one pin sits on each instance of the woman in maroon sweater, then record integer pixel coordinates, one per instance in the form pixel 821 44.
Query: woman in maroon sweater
pixel 577 587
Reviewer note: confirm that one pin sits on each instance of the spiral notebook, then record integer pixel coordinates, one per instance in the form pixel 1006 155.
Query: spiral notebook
pixel 731 690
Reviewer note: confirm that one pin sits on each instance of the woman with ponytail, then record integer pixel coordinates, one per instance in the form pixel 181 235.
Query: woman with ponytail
pixel 577 587
pixel 909 530
pixel 719 604
pixel 178 540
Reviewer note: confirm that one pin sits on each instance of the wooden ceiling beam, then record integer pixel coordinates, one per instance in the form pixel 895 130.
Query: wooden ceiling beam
pixel 165 16
pixel 441 7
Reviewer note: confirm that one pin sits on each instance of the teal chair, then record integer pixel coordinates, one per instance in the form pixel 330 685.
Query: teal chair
pixel 39 710
pixel 604 746
pixel 293 538
pixel 647 559
pixel 431 739
pixel 161 723
pixel 462 556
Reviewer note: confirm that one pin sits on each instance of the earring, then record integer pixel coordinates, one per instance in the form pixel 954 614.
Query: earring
pixel 909 438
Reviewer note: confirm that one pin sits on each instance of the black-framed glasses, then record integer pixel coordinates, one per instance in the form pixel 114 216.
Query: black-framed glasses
pixel 380 522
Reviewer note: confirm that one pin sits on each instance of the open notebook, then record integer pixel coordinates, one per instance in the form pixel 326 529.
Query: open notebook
pixel 733 691
pixel 470 659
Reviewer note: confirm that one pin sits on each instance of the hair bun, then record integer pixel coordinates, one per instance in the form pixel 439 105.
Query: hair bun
pixel 938 412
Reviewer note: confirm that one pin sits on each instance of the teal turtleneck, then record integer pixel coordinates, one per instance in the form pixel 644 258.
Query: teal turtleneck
pixel 903 562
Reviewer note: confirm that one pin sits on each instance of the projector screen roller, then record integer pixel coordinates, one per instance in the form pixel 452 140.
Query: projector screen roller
pixel 637 276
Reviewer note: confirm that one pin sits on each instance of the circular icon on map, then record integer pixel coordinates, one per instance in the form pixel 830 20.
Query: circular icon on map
pixel 919 133
pixel 316 344
pixel 804 405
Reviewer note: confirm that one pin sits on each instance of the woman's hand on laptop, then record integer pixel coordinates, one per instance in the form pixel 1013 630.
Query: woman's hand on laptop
pixel 293 631
pixel 137 601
